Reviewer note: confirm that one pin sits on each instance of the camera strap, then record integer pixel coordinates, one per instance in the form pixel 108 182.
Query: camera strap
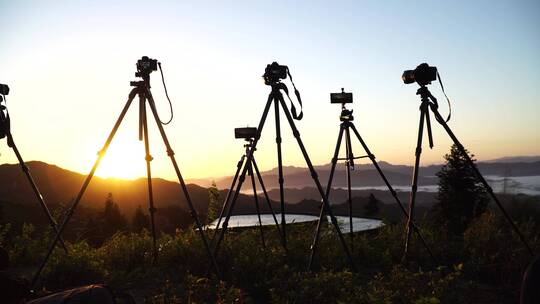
pixel 448 100
pixel 166 94
pixel 297 93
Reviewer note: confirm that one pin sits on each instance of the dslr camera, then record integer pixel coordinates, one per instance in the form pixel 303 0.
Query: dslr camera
pixel 274 73
pixel 423 75
pixel 246 133
pixel 145 66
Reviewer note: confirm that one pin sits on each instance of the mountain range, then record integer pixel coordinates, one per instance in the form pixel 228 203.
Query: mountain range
pixel 365 175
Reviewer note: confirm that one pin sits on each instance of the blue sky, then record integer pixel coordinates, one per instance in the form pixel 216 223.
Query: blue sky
pixel 69 64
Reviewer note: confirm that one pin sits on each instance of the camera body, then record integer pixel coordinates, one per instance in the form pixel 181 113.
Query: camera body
pixel 145 66
pixel 423 75
pixel 274 73
pixel 246 133
pixel 341 98
pixel 4 89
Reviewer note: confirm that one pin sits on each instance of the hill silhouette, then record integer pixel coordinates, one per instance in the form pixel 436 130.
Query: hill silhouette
pixel 60 186
pixel 398 175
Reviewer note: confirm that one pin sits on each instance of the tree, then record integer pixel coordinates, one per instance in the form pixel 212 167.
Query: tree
pixel 461 196
pixel 372 206
pixel 140 220
pixel 214 203
pixel 113 220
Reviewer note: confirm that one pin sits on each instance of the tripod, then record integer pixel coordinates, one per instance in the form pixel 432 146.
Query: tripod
pixel 276 97
pixel 5 130
pixel 142 89
pixel 251 169
pixel 346 125
pixel 430 103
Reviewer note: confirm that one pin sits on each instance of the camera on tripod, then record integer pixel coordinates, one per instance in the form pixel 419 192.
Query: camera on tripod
pixel 274 73
pixel 423 75
pixel 246 133
pixel 145 66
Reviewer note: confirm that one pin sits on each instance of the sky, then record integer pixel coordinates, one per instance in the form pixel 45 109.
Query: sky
pixel 69 64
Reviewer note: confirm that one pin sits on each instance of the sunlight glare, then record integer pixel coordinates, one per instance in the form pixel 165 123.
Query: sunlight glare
pixel 124 159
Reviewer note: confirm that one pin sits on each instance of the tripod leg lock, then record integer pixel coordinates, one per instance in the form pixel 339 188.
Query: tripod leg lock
pixel 314 174
pixel 371 156
pixel 296 133
pixel 100 153
pixel 170 152
pixel 418 151
pixel 148 158
pixel 414 188
pixel 280 180
pixel 278 140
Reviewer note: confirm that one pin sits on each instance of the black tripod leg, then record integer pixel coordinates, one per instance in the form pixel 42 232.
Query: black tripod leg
pixel 242 177
pixel 392 191
pixel 170 153
pixel 323 208
pixel 414 187
pixel 148 159
pixel 267 198
pixel 348 164
pixel 440 119
pixel 71 210
pixel 256 198
pixel 24 168
pixel 280 165
pixel 227 199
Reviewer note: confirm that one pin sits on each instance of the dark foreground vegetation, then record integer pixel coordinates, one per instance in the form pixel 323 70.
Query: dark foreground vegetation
pixel 484 266
pixel 478 258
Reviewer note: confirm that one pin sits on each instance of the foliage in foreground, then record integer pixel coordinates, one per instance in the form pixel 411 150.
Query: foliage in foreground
pixel 485 266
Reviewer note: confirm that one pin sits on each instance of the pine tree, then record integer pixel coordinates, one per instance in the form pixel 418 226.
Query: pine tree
pixel 113 220
pixel 214 203
pixel 461 196
pixel 372 206
pixel 140 220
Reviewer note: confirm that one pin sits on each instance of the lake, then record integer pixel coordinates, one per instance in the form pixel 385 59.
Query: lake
pixel 251 220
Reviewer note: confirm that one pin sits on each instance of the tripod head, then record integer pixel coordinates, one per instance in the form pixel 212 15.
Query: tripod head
pixel 346 115
pixel 426 96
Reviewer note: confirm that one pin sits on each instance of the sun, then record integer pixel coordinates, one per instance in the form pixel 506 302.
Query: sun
pixel 124 159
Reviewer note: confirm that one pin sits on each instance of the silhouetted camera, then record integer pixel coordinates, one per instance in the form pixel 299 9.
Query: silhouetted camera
pixel 274 73
pixel 246 133
pixel 146 66
pixel 423 74
pixel 341 97
pixel 4 89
